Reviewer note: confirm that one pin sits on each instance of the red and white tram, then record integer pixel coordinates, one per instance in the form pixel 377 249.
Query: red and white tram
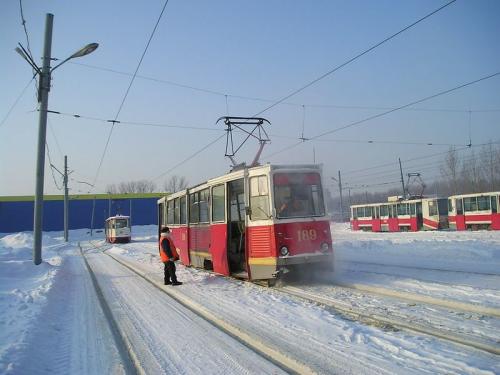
pixel 254 223
pixel 474 211
pixel 117 229
pixel 400 215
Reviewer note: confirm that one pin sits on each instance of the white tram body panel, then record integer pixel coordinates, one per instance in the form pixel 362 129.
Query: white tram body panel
pixel 117 229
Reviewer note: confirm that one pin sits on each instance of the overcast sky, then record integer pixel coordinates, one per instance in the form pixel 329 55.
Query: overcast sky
pixel 212 58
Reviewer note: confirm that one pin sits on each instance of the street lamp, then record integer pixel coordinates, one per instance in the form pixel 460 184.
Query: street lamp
pixel 43 98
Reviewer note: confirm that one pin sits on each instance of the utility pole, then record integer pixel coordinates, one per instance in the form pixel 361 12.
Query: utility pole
pixel 402 179
pixel 341 205
pixel 43 99
pixel 66 201
pixel 92 218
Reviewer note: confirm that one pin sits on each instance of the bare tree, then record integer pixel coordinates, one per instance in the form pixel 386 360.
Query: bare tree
pixel 175 183
pixel 140 186
pixel 449 170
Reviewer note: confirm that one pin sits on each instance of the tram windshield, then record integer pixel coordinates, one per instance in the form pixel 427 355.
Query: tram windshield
pixel 121 223
pixel 298 195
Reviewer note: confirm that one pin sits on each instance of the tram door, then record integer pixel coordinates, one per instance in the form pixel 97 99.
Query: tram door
pixel 236 228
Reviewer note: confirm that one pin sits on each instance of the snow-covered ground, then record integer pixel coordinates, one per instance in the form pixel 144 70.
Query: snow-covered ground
pixel 51 320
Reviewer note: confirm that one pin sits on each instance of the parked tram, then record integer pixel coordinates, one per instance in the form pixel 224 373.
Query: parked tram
pixel 117 229
pixel 398 215
pixel 474 211
pixel 254 223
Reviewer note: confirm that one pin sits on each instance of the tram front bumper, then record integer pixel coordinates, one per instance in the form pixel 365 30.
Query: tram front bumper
pixel 293 260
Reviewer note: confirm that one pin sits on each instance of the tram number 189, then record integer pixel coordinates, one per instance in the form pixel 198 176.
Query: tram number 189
pixel 307 235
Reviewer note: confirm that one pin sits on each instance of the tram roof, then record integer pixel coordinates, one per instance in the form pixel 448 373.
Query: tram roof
pixel 475 194
pixel 239 173
pixel 118 217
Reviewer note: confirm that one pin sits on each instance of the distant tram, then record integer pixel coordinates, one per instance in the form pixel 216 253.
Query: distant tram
pixel 474 211
pixel 254 223
pixel 117 229
pixel 401 215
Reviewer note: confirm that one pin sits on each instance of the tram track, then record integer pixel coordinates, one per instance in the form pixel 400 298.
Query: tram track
pixel 373 318
pixel 345 309
pixel 412 297
pixel 272 354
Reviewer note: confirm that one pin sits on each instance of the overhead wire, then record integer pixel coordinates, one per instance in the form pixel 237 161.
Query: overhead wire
pixel 359 122
pixel 52 166
pixel 191 127
pixel 15 102
pixel 253 98
pixel 295 92
pixel 127 92
pixel 189 157
pixel 418 168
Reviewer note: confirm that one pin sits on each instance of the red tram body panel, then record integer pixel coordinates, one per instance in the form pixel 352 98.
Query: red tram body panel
pixel 474 211
pixel 255 223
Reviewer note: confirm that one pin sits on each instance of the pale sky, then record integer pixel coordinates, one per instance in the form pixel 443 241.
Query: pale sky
pixel 248 52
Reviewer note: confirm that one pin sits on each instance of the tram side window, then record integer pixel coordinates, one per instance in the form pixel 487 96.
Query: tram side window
pixel 218 203
pixel 470 204
pixel 402 209
pixel 459 206
pixel 450 206
pixel 204 206
pixel 259 198
pixel 494 208
pixel 183 210
pixel 194 208
pixel 361 211
pixel 170 212
pixel 369 212
pixel 384 211
pixel 354 213
pixel 177 211
pixel 433 211
pixel 483 203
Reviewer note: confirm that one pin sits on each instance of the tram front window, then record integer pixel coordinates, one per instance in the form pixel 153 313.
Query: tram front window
pixel 298 195
pixel 121 223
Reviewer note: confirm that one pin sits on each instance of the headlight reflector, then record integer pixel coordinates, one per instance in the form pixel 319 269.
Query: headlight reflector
pixel 284 251
pixel 325 247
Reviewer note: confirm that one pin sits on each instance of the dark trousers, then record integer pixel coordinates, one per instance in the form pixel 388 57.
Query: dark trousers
pixel 169 272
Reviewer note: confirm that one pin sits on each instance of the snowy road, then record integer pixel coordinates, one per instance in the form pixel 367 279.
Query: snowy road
pixel 165 336
pixel 323 340
pixel 52 322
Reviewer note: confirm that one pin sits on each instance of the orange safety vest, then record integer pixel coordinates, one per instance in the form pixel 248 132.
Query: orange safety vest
pixel 163 254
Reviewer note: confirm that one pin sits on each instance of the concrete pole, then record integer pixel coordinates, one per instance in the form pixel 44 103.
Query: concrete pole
pixel 341 204
pixel 402 178
pixel 44 88
pixel 66 202
pixel 92 218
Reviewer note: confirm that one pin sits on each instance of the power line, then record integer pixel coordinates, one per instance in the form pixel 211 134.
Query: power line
pixel 190 157
pixel 127 92
pixel 16 101
pixel 51 127
pixel 52 167
pixel 416 158
pixel 23 22
pixel 438 164
pixel 389 111
pixel 253 98
pixel 354 58
pixel 191 127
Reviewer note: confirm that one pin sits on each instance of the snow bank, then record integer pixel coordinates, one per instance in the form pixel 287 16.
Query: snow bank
pixel 454 251
pixel 23 287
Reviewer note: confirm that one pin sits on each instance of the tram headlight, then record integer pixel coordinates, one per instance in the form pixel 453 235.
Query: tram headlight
pixel 325 247
pixel 284 251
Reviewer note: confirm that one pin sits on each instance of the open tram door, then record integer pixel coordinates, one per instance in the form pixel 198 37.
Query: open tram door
pixel 236 229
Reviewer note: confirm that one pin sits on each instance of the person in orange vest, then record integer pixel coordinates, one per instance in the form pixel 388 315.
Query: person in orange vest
pixel 168 254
